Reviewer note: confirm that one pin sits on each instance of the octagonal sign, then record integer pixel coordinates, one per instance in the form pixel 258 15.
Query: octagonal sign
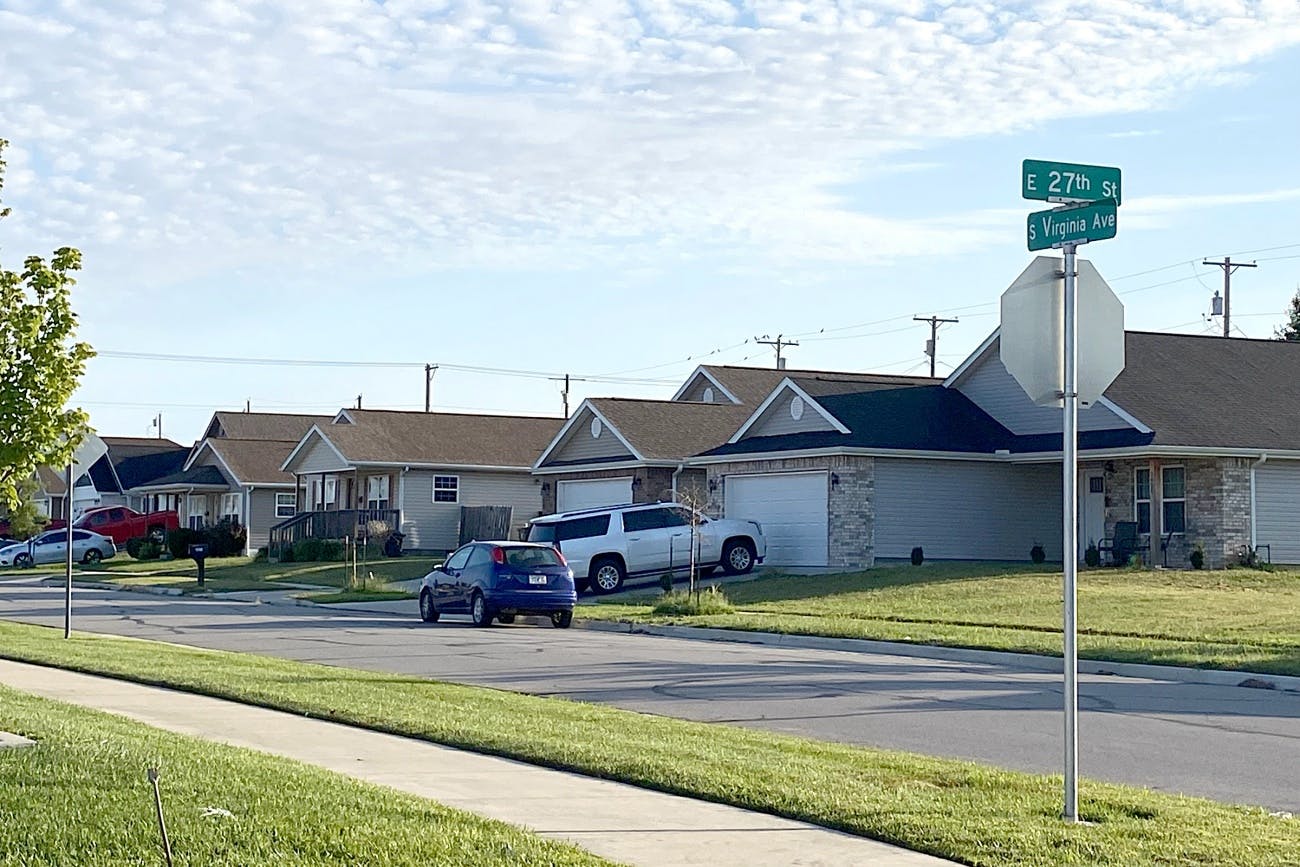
pixel 1032 336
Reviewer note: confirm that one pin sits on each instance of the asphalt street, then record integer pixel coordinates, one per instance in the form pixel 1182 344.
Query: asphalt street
pixel 1232 744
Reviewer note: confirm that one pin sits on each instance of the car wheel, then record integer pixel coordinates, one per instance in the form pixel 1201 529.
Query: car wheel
pixel 428 613
pixel 561 619
pixel 607 575
pixel 479 613
pixel 506 618
pixel 92 556
pixel 737 557
pixel 23 561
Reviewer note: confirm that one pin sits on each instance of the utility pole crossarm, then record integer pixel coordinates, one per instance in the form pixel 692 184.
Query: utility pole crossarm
pixel 1228 267
pixel 932 347
pixel 780 343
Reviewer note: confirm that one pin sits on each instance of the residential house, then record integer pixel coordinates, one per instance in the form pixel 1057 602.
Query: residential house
pixel 134 461
pixel 234 473
pixel 1198 441
pixel 617 450
pixel 419 469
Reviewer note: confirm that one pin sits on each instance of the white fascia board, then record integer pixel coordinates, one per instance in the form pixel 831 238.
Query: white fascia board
pixel 1160 452
pixel 701 371
pixel 1124 414
pixel 343 416
pixel 563 432
pixel 315 429
pixel 623 465
pixel 416 465
pixel 854 452
pixel 960 371
pixel 194 455
pixel 785 384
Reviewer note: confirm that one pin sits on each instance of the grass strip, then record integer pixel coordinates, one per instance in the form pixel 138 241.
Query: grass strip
pixel 1244 620
pixel 80 796
pixel 358 596
pixel 960 810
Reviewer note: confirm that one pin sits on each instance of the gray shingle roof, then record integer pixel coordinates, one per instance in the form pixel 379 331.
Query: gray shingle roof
pixel 285 427
pixel 671 430
pixel 1212 391
pixel 254 461
pixel 456 439
pixel 753 384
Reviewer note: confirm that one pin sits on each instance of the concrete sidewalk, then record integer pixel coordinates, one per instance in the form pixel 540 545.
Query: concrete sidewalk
pixel 616 821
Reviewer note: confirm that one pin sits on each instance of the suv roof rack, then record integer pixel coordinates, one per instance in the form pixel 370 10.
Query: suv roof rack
pixel 597 509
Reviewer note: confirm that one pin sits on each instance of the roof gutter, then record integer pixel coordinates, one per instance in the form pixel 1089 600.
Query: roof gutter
pixel 1254 516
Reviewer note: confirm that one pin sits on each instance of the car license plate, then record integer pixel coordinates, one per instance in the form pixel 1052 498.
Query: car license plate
pixel 536 579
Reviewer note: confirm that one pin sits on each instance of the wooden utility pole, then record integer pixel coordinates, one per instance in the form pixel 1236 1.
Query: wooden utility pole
pixel 358 401
pixel 157 422
pixel 564 395
pixel 780 343
pixel 932 345
pixel 1228 268
pixel 429 371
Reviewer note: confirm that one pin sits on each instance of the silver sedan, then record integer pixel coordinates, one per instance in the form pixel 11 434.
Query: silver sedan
pixel 52 547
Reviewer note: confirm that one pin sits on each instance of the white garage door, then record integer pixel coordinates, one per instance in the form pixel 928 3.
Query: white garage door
pixel 792 507
pixel 593 493
pixel 1277 510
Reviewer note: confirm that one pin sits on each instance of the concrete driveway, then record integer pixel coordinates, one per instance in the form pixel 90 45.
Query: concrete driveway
pixel 1232 744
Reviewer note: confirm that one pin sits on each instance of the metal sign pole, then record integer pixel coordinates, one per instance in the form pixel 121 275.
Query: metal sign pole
pixel 67 592
pixel 1070 559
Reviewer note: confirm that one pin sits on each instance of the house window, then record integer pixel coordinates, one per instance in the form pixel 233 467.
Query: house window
pixel 1173 499
pixel 285 505
pixel 446 489
pixel 314 498
pixel 1142 499
pixel 376 492
pixel 331 491
pixel 197 508
pixel 231 507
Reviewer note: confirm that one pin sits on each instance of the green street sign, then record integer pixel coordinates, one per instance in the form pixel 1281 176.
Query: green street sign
pixel 1078 225
pixel 1068 182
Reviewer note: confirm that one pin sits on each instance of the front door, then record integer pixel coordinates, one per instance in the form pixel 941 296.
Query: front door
pixel 1092 509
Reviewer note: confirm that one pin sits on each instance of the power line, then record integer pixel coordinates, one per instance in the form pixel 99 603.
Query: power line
pixel 1228 270
pixel 780 343
pixel 932 345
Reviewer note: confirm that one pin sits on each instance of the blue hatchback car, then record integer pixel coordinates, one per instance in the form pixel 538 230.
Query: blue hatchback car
pixel 499 580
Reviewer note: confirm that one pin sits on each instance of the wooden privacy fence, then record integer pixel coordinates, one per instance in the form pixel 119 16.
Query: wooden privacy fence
pixel 485 523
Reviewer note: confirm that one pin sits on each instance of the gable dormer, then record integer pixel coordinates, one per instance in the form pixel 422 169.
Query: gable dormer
pixel 788 410
pixel 588 437
pixel 703 387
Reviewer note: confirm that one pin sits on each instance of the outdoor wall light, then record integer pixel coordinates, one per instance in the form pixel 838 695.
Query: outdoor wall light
pixel 546 487
pixel 636 482
pixel 713 485
pixel 835 480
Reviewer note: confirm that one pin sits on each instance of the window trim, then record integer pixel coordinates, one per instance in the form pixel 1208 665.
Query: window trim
pixel 453 490
pixel 292 504
pixel 1138 501
pixel 382 501
pixel 1164 499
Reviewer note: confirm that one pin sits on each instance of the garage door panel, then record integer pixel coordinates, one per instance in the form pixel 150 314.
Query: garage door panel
pixel 573 496
pixel 1277 510
pixel 792 507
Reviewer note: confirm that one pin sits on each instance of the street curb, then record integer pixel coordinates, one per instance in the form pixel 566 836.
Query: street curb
pixel 1032 662
pixel 126 588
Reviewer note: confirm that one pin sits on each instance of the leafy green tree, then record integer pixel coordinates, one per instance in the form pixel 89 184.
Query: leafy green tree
pixel 25 520
pixel 1291 331
pixel 40 366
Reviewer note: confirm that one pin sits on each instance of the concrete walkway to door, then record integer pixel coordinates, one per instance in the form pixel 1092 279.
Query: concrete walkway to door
pixel 616 821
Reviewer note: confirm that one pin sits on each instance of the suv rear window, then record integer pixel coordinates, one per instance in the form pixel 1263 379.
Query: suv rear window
pixel 574 528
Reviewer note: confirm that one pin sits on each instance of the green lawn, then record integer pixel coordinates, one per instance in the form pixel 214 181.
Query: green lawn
pixel 358 596
pixel 226 574
pixel 968 812
pixel 81 797
pixel 1236 619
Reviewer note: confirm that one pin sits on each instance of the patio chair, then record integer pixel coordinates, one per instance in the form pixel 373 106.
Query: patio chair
pixel 1121 545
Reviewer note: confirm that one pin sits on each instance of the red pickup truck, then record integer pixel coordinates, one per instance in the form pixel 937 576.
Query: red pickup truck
pixel 122 524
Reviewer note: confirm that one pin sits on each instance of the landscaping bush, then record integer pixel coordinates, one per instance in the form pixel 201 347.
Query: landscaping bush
pixel 918 556
pixel 666 582
pixel 225 539
pixel 150 550
pixel 711 601
pixel 1197 557
pixel 306 550
pixel 1091 555
pixel 180 540
pixel 261 555
pixel 331 550
pixel 132 547
pixel 1037 554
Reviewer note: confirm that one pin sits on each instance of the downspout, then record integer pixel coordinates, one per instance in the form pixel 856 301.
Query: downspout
pixel 401 496
pixel 248 515
pixel 681 466
pixel 1254 522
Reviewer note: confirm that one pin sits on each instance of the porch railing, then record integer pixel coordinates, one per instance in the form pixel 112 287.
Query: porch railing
pixel 334 524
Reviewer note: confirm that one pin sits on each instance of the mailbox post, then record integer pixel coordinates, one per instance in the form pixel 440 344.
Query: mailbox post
pixel 199 553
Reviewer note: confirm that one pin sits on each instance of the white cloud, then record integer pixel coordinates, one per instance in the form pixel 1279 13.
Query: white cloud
pixel 446 132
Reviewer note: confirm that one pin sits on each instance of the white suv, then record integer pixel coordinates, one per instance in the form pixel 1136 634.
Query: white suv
pixel 606 546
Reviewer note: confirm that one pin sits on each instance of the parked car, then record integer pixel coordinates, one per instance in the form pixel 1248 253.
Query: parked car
pixel 500 580
pixel 52 547
pixel 605 547
pixel 122 524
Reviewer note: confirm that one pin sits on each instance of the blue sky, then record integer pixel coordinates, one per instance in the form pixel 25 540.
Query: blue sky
pixel 615 189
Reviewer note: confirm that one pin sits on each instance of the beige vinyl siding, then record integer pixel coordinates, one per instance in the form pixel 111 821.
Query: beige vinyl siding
pixel 316 457
pixel 261 515
pixel 966 510
pixel 210 460
pixel 1277 510
pixel 580 445
pixel 777 421
pixel 997 393
pixel 700 384
pixel 431 526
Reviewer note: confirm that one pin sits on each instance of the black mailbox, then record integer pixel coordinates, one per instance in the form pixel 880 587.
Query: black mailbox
pixel 198 553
